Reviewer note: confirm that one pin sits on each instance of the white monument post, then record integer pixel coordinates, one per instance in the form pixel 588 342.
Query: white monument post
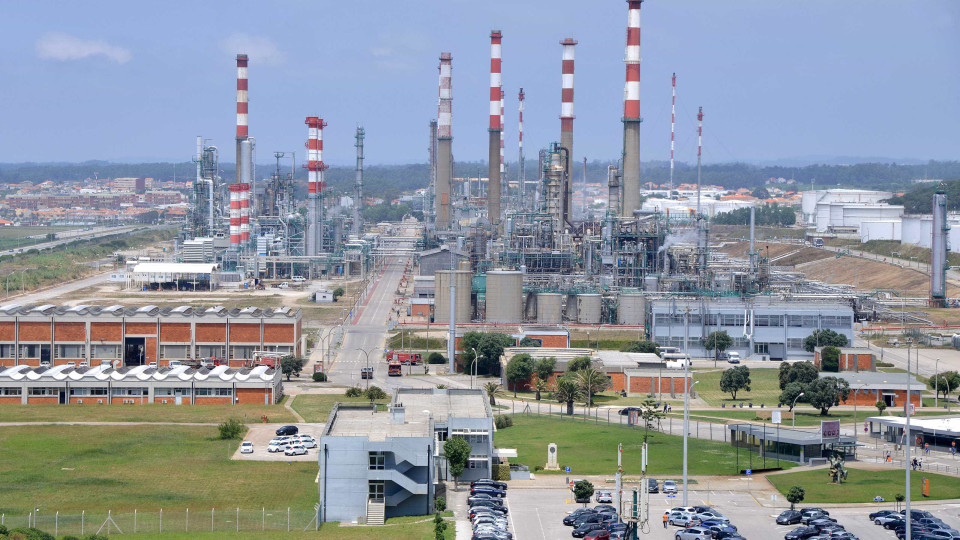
pixel 552 458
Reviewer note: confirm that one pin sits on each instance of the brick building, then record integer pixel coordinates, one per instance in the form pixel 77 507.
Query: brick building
pixel 132 336
pixel 104 385
pixel 867 388
pixel 851 359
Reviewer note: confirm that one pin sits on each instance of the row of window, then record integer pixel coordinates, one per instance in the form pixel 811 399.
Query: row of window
pixel 179 352
pixel 738 343
pixel 734 319
pixel 117 391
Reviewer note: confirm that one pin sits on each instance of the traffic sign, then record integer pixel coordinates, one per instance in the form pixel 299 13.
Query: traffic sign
pixel 567 469
pixel 571 484
pixel 749 472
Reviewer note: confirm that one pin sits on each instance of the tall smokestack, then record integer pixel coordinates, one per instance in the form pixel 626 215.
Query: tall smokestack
pixel 631 112
pixel 493 156
pixel 938 249
pixel 237 197
pixel 358 183
pixel 315 167
pixel 503 164
pixel 444 142
pixel 673 123
pixel 242 112
pixel 522 173
pixel 566 122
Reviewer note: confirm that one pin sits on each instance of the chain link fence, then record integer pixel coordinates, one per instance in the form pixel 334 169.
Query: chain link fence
pixel 161 521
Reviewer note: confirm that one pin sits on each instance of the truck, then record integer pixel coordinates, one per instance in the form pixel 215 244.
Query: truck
pixel 676 360
pixel 817 242
pixel 394 369
pixel 405 358
pixel 269 359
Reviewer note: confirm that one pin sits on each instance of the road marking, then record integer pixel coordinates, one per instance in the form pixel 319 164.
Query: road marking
pixel 540 521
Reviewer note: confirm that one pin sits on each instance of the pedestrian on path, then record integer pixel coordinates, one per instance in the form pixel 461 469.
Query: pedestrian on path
pixel 920 464
pixel 664 520
pixel 913 463
pixel 926 448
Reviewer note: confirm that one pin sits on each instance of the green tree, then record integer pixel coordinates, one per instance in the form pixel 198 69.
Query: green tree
pixel 457 451
pixel 545 368
pixel 798 372
pixel 519 369
pixel 591 382
pixel 826 392
pixel 881 406
pixel 566 390
pixel 789 395
pixel 824 338
pixel 319 376
pixel 642 347
pixel 582 491
pixel 830 359
pixel 795 496
pixel 338 292
pixel 491 388
pixel 231 428
pixel 528 341
pixel 760 192
pixel 539 386
pixel 291 365
pixel 436 358
pixel 944 383
pixel 469 342
pixel 439 525
pixel 375 393
pixel 899 498
pixel 735 379
pixel 650 412
pixel 491 349
pixel 579 363
pixel 718 341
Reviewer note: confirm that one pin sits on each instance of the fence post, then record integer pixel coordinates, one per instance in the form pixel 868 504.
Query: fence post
pixel 186 522
pixel 238 519
pixel 211 520
pixel 56 524
pixel 161 520
pixel 263 517
pixel 288 519
pixel 134 521
pixel 82 516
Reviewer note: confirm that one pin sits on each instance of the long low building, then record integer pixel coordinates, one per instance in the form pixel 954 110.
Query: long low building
pixel 50 335
pixel 104 385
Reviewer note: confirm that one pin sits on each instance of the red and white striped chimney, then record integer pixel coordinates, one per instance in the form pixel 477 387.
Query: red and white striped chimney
pixel 444 141
pixel 673 123
pixel 503 170
pixel 495 129
pixel 521 174
pixel 315 167
pixel 234 215
pixel 631 112
pixel 566 121
pixel 244 213
pixel 242 109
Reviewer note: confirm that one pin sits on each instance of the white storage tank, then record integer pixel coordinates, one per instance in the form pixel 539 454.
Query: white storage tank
pixel 570 312
pixel 589 308
pixel 504 296
pixel 631 309
pixel 549 308
pixel 441 304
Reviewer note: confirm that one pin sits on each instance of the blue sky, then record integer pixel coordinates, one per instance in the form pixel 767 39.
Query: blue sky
pixel 131 81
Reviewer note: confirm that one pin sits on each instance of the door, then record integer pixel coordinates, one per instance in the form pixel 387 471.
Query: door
pixel 888 399
pixel 63 397
pixel 44 354
pixel 178 397
pixel 134 351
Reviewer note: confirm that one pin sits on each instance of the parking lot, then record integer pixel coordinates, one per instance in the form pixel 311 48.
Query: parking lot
pixel 260 435
pixel 537 514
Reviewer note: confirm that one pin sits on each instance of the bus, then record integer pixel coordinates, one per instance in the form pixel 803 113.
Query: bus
pixel 394 369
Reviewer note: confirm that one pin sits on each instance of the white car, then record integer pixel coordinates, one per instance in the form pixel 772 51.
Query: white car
pixel 296 450
pixel 299 279
pixel 277 447
pixel 669 486
pixel 308 443
pixel 246 447
pixel 604 497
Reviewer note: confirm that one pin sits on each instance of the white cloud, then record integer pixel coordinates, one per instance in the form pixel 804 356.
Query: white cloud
pixel 399 51
pixel 261 50
pixel 61 46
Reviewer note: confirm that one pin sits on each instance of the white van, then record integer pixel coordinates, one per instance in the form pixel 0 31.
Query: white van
pixel 733 357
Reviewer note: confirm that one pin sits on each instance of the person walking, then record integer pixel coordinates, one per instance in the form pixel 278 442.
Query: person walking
pixel 913 463
pixel 665 518
pixel 920 464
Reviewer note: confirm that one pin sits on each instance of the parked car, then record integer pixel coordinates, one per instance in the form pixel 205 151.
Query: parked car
pixel 246 447
pixel 599 534
pixel 584 529
pixel 308 443
pixel 801 533
pixel 288 430
pixel 488 490
pixel 733 357
pixel 681 519
pixel 788 517
pixel 571 518
pixel 493 483
pixel 653 486
pixel 627 410
pixel 277 447
pixel 604 496
pixel 880 513
pixel 296 450
pixel 669 486
pixel 299 279
pixel 693 533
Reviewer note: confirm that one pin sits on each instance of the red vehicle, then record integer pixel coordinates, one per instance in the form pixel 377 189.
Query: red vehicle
pixel 394 369
pixel 404 358
pixel 271 360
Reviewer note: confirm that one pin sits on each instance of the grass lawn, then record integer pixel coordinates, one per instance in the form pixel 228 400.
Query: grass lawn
pixel 317 407
pixel 592 448
pixel 764 387
pixel 122 468
pixel 609 399
pixel 862 486
pixel 142 413
pixel 329 531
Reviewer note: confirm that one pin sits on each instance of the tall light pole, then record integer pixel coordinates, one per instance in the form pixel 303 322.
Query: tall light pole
pixel 794 407
pixel 855 419
pixel 936 385
pixel 473 366
pixel 906 455
pixel 686 396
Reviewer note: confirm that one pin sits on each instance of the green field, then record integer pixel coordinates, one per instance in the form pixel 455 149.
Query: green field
pixel 590 448
pixel 316 407
pixel 329 531
pixel 764 388
pixel 862 486
pixel 121 468
pixel 17 237
pixel 143 413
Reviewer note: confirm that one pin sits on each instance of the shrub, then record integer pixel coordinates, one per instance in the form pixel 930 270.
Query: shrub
pixel 30 533
pixel 436 358
pixel 440 504
pixel 502 421
pixel 232 428
pixel 375 393
pixel 354 391
pixel 500 472
pixel 319 377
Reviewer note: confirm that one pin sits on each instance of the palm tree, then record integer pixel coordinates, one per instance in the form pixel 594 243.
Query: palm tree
pixel 539 386
pixel 591 381
pixel 491 388
pixel 566 391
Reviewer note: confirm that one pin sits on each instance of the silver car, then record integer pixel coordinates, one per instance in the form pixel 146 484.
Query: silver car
pixel 693 533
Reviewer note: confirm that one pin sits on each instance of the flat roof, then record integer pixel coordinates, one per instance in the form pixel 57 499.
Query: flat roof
pixel 443 403
pixel 946 425
pixel 365 421
pixel 617 359
pixel 175 268
pixel 877 380
pixel 787 435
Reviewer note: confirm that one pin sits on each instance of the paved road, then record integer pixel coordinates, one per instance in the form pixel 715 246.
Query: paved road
pixel 69 236
pixel 54 293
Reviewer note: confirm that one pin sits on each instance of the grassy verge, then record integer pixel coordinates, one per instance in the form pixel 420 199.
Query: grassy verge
pixel 17 237
pixel 592 448
pixel 142 413
pixel 122 468
pixel 329 531
pixel 316 408
pixel 764 388
pixel 862 486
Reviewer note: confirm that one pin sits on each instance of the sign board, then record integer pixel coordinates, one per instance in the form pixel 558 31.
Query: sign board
pixel 567 469
pixel 925 486
pixel 633 418
pixel 571 484
pixel 749 472
pixel 830 429
pixel 775 417
pixel 912 409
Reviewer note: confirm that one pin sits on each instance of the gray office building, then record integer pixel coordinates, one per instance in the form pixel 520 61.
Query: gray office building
pixel 771 328
pixel 380 464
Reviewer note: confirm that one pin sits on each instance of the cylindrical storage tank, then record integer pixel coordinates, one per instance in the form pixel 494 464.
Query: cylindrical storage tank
pixel 549 308
pixel 571 310
pixel 631 309
pixel 504 296
pixel 589 307
pixel 441 294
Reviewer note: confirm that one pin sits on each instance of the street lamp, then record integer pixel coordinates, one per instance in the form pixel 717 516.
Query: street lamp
pixel 367 356
pixel 792 407
pixel 473 366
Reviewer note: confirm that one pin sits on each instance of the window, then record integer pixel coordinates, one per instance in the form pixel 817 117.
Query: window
pixel 204 391
pixel 43 391
pixel 6 350
pixel 29 351
pixel 476 464
pixel 794 343
pixel 133 391
pixel 441 435
pixel 223 392
pixel 98 391
pixel 70 351
pixel 378 460
pixel 375 489
pixel 242 352
pixel 105 351
pixel 761 348
pixel 172 391
pixel 10 391
pixel 176 352
pixel 209 351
